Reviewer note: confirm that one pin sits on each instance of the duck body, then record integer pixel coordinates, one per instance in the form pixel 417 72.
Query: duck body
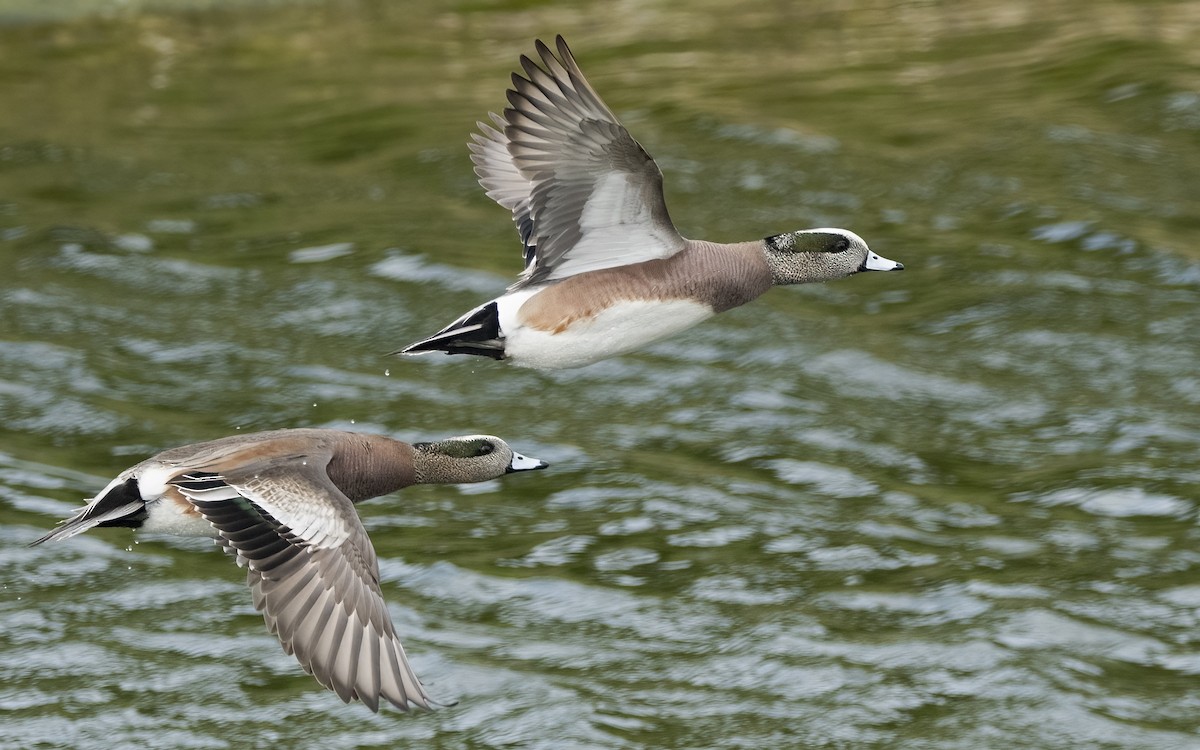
pixel 599 314
pixel 606 271
pixel 283 503
pixel 153 496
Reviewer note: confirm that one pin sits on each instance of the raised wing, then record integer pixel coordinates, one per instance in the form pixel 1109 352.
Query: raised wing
pixel 584 194
pixel 313 575
pixel 502 181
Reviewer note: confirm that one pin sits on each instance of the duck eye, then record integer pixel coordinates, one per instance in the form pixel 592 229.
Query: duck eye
pixel 841 246
pixel 484 449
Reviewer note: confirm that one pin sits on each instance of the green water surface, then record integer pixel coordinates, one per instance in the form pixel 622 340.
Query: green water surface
pixel 949 508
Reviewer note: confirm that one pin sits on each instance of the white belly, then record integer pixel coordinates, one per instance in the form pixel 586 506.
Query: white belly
pixel 622 328
pixel 165 516
pixel 167 512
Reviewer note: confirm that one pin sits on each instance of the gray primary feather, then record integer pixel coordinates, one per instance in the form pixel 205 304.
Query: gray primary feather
pixel 502 181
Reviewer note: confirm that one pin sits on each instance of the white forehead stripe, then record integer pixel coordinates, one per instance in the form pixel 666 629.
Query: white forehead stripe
pixel 836 230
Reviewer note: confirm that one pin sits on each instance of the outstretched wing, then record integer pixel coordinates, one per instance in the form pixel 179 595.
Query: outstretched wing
pixel 584 194
pixel 313 574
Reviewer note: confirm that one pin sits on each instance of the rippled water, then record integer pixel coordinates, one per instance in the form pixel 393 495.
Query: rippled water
pixel 950 508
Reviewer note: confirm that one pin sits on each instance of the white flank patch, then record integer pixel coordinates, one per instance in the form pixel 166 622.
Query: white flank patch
pixel 152 482
pixel 507 307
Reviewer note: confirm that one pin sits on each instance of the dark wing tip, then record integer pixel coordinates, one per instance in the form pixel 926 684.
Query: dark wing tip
pixel 543 49
pixel 45 538
pixel 417 347
pixel 563 50
pixel 529 66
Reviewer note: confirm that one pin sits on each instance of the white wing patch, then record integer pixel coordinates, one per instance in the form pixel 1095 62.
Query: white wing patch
pixel 296 504
pixel 152 483
pixel 617 229
pixel 592 197
pixel 289 499
pixel 615 200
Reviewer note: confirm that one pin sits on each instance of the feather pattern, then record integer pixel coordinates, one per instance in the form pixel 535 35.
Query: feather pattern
pixel 315 578
pixel 282 502
pixel 583 193
pixel 606 272
pixel 502 181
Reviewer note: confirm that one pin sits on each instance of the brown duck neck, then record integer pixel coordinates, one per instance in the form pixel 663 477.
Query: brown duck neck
pixel 366 466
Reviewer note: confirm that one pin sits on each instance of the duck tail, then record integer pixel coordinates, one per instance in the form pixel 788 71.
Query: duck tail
pixel 477 332
pixel 120 504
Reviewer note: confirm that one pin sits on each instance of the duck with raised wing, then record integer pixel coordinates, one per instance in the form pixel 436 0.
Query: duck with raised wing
pixel 606 272
pixel 283 503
